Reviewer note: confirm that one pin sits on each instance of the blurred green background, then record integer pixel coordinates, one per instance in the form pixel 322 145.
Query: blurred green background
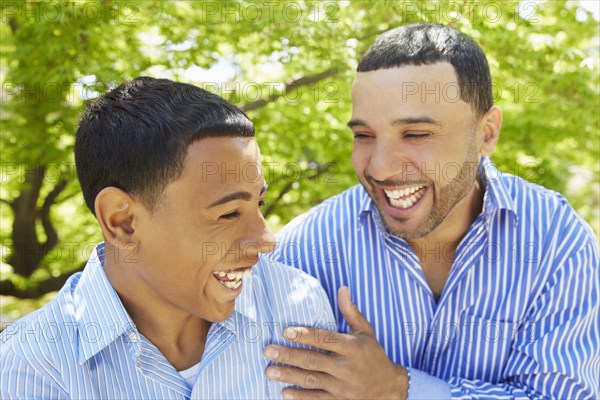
pixel 290 65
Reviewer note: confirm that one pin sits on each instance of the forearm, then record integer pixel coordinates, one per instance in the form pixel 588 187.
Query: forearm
pixel 425 386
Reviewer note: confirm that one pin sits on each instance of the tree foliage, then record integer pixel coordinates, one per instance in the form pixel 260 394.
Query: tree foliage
pixel 290 65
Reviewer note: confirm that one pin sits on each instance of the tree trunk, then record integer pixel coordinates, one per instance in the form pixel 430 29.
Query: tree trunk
pixel 27 251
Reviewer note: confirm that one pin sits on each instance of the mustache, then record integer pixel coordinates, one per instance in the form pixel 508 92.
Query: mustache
pixel 392 183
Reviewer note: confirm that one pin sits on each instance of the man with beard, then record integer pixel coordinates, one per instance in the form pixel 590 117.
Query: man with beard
pixel 467 282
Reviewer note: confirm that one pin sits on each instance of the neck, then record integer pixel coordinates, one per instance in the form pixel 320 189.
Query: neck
pixel 179 335
pixel 446 237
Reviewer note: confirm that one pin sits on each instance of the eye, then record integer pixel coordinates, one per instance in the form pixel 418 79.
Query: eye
pixel 232 215
pixel 360 135
pixel 417 135
pixel 261 205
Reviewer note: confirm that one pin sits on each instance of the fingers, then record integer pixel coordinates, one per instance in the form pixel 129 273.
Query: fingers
pixel 302 358
pixel 299 377
pixel 356 321
pixel 319 338
pixel 306 394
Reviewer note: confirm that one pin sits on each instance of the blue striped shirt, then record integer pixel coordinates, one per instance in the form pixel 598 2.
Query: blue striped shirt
pixel 84 345
pixel 519 316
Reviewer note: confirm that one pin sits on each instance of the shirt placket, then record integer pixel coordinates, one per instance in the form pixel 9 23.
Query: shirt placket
pixel 467 256
pixel 400 254
pixel 153 365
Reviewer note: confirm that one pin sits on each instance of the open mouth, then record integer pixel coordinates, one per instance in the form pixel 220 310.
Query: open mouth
pixel 232 279
pixel 406 197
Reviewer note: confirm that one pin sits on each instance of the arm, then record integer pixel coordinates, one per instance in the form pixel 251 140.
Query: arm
pixel 556 353
pixel 559 359
pixel 19 380
pixel 355 367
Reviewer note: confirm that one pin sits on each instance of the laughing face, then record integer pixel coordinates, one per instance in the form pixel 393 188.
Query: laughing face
pixel 416 146
pixel 206 232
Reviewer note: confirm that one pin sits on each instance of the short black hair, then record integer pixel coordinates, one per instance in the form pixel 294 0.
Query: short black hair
pixel 135 137
pixel 429 43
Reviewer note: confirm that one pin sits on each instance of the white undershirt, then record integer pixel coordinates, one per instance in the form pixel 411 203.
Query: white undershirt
pixel 189 375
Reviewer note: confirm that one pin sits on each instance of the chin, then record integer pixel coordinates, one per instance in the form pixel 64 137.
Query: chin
pixel 221 315
pixel 406 230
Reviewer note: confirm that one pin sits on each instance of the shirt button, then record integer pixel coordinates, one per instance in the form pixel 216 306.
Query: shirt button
pixel 133 337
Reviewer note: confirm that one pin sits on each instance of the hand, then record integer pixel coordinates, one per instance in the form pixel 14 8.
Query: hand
pixel 355 366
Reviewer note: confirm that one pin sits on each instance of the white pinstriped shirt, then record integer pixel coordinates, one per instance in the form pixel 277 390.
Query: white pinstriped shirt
pixel 84 345
pixel 519 316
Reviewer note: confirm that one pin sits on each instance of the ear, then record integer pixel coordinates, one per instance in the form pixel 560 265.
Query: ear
pixel 489 130
pixel 115 213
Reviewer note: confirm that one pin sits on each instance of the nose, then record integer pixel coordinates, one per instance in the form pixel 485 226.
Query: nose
pixel 261 237
pixel 387 162
pixel 267 239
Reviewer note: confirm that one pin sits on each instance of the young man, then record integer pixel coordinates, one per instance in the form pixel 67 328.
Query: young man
pixel 475 284
pixel 176 303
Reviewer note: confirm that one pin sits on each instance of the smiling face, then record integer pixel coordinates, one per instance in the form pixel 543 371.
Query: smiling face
pixel 416 146
pixel 206 224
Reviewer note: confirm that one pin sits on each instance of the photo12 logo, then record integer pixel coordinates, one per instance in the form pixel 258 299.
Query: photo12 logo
pixel 70 11
pixel 268 11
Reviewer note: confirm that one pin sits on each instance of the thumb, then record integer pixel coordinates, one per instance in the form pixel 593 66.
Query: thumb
pixel 356 321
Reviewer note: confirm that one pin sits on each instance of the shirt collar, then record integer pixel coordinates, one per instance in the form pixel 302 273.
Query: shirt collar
pixel 367 206
pixel 496 196
pixel 102 318
pixel 245 310
pixel 100 315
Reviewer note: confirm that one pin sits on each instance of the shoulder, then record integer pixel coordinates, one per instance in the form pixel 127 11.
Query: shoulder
pixel 41 326
pixel 335 212
pixel 321 237
pixel 546 219
pixel 525 192
pixel 534 201
pixel 289 295
pixel 286 284
pixel 40 344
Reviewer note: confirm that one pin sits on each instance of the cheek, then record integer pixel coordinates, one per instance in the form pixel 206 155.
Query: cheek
pixel 193 281
pixel 436 163
pixel 211 254
pixel 360 159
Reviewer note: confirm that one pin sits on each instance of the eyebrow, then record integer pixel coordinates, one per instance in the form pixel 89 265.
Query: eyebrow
pixel 415 120
pixel 355 122
pixel 246 196
pixel 400 121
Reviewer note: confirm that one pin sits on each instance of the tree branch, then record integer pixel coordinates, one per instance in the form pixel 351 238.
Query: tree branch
pixel 6 202
pixel 303 81
pixel 67 197
pixel 51 235
pixel 14 25
pixel 273 204
pixel 321 168
pixel 7 288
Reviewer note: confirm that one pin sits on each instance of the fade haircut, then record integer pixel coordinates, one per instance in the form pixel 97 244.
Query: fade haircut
pixel 430 43
pixel 135 137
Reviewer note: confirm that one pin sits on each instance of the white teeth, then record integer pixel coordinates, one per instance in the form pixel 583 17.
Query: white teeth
pixel 394 194
pixel 397 199
pixel 408 202
pixel 234 278
pixel 229 284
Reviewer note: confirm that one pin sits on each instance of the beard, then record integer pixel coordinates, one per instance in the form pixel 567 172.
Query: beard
pixel 443 203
